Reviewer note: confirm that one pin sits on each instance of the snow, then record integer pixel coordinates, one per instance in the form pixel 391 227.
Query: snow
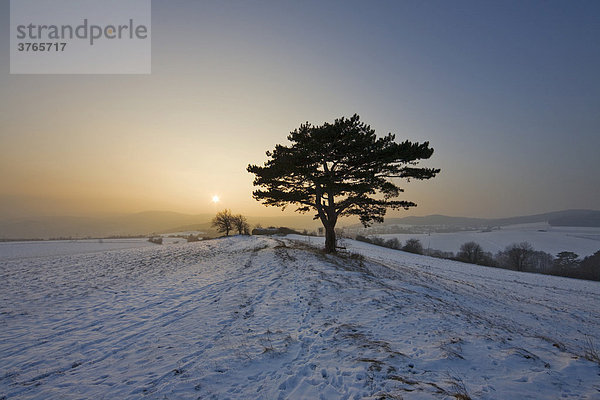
pixel 553 240
pixel 274 318
pixel 19 250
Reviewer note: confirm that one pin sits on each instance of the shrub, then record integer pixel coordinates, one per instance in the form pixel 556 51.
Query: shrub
pixel 393 243
pixel 362 238
pixel 378 241
pixel 440 254
pixel 193 238
pixel 470 252
pixel 156 240
pixel 413 246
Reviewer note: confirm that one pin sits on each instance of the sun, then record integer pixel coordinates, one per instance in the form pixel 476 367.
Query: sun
pixel 216 199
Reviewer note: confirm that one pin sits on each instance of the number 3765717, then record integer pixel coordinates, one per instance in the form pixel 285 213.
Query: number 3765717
pixel 33 46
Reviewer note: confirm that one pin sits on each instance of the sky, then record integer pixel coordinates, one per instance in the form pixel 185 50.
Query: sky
pixel 506 92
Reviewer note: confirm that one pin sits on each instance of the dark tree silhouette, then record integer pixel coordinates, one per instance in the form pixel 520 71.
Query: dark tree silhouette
pixel 241 224
pixel 566 259
pixel 413 246
pixel 590 267
pixel 339 169
pixel 517 256
pixel 223 221
pixel 470 252
pixel 393 243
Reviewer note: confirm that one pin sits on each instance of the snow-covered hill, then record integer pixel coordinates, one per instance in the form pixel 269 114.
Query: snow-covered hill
pixel 273 318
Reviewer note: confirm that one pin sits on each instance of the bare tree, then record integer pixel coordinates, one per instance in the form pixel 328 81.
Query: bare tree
pixel 470 252
pixel 223 221
pixel 542 262
pixel 517 256
pixel 241 224
pixel 413 246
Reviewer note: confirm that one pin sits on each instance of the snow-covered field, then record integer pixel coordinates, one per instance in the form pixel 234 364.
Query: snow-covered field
pixel 551 239
pixel 272 318
pixel 44 248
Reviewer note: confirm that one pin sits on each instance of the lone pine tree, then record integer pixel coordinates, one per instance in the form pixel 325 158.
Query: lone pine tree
pixel 340 169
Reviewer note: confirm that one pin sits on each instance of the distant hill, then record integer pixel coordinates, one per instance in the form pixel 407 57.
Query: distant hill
pixel 557 218
pixel 584 218
pixel 587 218
pixel 151 222
pixel 436 220
pixel 143 223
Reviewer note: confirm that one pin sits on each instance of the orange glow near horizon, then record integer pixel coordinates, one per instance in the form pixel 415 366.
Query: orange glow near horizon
pixel 230 82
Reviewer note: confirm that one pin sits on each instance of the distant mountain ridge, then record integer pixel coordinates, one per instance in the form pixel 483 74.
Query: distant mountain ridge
pixel 581 218
pixel 149 222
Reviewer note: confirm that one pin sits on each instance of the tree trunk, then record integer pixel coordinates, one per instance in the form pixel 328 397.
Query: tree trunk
pixel 330 239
